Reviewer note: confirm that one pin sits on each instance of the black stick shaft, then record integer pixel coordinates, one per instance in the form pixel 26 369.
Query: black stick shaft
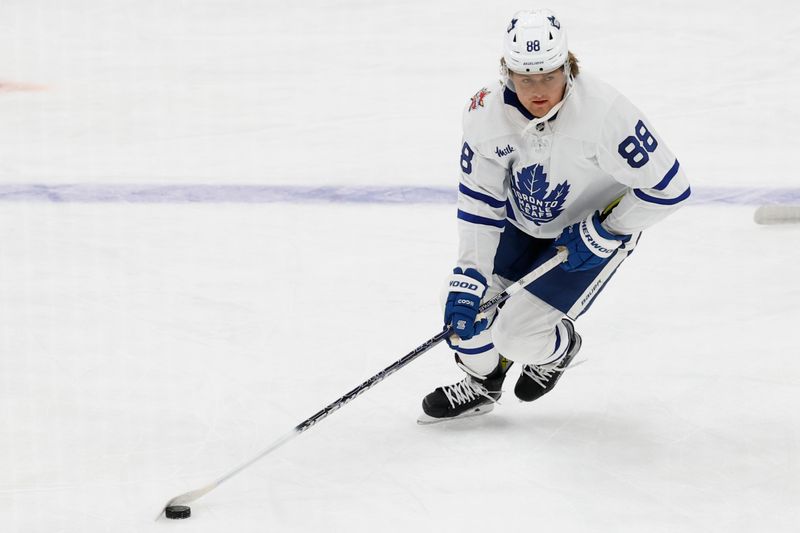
pixel 427 345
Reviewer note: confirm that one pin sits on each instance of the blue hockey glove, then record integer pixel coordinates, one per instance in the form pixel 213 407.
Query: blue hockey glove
pixel 589 244
pixel 465 290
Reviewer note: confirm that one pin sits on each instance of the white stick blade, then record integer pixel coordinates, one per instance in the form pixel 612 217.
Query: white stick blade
pixel 777 214
pixel 188 497
pixel 191 496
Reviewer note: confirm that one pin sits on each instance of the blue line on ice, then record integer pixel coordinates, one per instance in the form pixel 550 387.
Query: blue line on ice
pixel 197 193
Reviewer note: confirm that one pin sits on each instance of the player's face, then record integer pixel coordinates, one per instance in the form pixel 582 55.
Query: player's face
pixel 540 92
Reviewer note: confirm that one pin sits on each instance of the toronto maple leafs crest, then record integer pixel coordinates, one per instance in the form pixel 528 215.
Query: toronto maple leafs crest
pixel 477 99
pixel 535 202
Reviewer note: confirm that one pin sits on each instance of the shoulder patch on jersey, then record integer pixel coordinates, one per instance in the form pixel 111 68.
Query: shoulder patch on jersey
pixel 529 188
pixel 477 100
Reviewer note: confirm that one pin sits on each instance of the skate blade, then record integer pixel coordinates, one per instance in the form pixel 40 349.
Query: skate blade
pixel 425 420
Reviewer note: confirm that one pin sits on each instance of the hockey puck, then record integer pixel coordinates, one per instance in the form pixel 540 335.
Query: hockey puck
pixel 178 511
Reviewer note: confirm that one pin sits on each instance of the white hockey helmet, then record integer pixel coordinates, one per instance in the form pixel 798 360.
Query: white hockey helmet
pixel 535 42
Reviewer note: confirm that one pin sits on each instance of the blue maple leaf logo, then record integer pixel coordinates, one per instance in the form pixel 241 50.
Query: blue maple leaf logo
pixel 529 188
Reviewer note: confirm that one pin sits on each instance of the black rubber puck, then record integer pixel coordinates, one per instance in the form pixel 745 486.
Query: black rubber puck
pixel 178 511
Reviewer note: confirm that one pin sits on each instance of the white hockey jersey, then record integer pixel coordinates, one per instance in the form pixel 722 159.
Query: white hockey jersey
pixel 542 178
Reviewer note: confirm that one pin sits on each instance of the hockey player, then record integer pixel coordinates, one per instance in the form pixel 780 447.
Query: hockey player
pixel 550 157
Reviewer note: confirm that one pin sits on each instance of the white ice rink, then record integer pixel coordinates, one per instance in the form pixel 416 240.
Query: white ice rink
pixel 163 318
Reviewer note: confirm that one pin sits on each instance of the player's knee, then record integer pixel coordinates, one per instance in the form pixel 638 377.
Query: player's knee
pixel 525 329
pixel 527 348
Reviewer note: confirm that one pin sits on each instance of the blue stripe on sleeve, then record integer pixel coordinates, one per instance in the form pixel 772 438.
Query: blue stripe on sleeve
pixel 485 198
pixel 475 219
pixel 668 177
pixel 663 201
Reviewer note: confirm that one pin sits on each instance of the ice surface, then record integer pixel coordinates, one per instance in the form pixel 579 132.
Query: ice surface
pixel 148 348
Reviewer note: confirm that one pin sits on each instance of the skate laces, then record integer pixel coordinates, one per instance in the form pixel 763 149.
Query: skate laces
pixel 541 374
pixel 465 391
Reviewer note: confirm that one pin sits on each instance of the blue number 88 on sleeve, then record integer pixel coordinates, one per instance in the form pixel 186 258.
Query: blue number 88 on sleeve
pixel 635 149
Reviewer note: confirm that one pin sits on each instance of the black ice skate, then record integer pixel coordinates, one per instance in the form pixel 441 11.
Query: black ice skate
pixel 472 396
pixel 537 380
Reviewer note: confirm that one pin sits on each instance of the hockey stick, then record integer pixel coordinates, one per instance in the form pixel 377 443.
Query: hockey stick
pixel 536 273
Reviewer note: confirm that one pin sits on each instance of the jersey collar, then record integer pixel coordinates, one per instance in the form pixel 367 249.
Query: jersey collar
pixel 511 98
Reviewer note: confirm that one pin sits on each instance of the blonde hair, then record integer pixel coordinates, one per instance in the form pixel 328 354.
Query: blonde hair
pixel 574 68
